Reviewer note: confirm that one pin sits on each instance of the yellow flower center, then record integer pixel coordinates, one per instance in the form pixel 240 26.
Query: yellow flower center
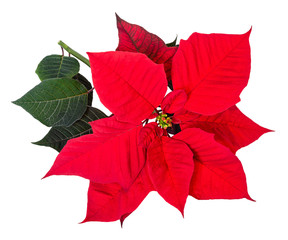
pixel 164 121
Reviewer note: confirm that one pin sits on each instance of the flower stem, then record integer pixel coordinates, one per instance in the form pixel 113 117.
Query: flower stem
pixel 74 53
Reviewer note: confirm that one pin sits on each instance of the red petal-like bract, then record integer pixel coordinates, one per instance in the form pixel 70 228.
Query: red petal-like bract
pixel 170 167
pixel 174 101
pixel 133 38
pixel 110 202
pixel 129 84
pixel 231 127
pixel 218 173
pixel 213 69
pixel 111 155
pixel 148 133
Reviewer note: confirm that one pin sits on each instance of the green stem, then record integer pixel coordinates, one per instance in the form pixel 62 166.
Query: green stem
pixel 74 53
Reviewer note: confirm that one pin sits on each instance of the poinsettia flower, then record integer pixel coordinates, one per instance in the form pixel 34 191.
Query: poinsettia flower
pixel 126 157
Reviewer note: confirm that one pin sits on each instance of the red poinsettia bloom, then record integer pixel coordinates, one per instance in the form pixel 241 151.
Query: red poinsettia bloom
pixel 126 157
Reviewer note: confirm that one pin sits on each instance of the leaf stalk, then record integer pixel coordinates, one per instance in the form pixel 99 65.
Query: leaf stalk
pixel 74 53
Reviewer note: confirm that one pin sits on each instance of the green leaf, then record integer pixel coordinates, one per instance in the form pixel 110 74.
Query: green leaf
pixel 57 66
pixel 57 137
pixel 87 84
pixel 56 102
pixel 172 44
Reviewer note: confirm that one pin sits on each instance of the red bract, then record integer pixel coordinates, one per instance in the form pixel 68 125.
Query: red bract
pixel 110 202
pixel 231 127
pixel 103 156
pixel 213 69
pixel 170 165
pixel 128 84
pixel 218 172
pixel 125 160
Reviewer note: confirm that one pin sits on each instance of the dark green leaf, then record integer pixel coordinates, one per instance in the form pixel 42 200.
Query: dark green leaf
pixel 172 44
pixel 56 102
pixel 57 66
pixel 57 137
pixel 87 84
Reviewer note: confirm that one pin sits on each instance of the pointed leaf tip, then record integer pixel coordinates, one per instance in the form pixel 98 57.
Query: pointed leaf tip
pixel 46 175
pixel 57 102
pixel 122 218
pixel 84 221
pixel 172 44
pixel 249 198
pixel 250 30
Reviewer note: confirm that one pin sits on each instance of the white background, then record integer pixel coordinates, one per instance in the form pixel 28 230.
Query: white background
pixel 31 208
